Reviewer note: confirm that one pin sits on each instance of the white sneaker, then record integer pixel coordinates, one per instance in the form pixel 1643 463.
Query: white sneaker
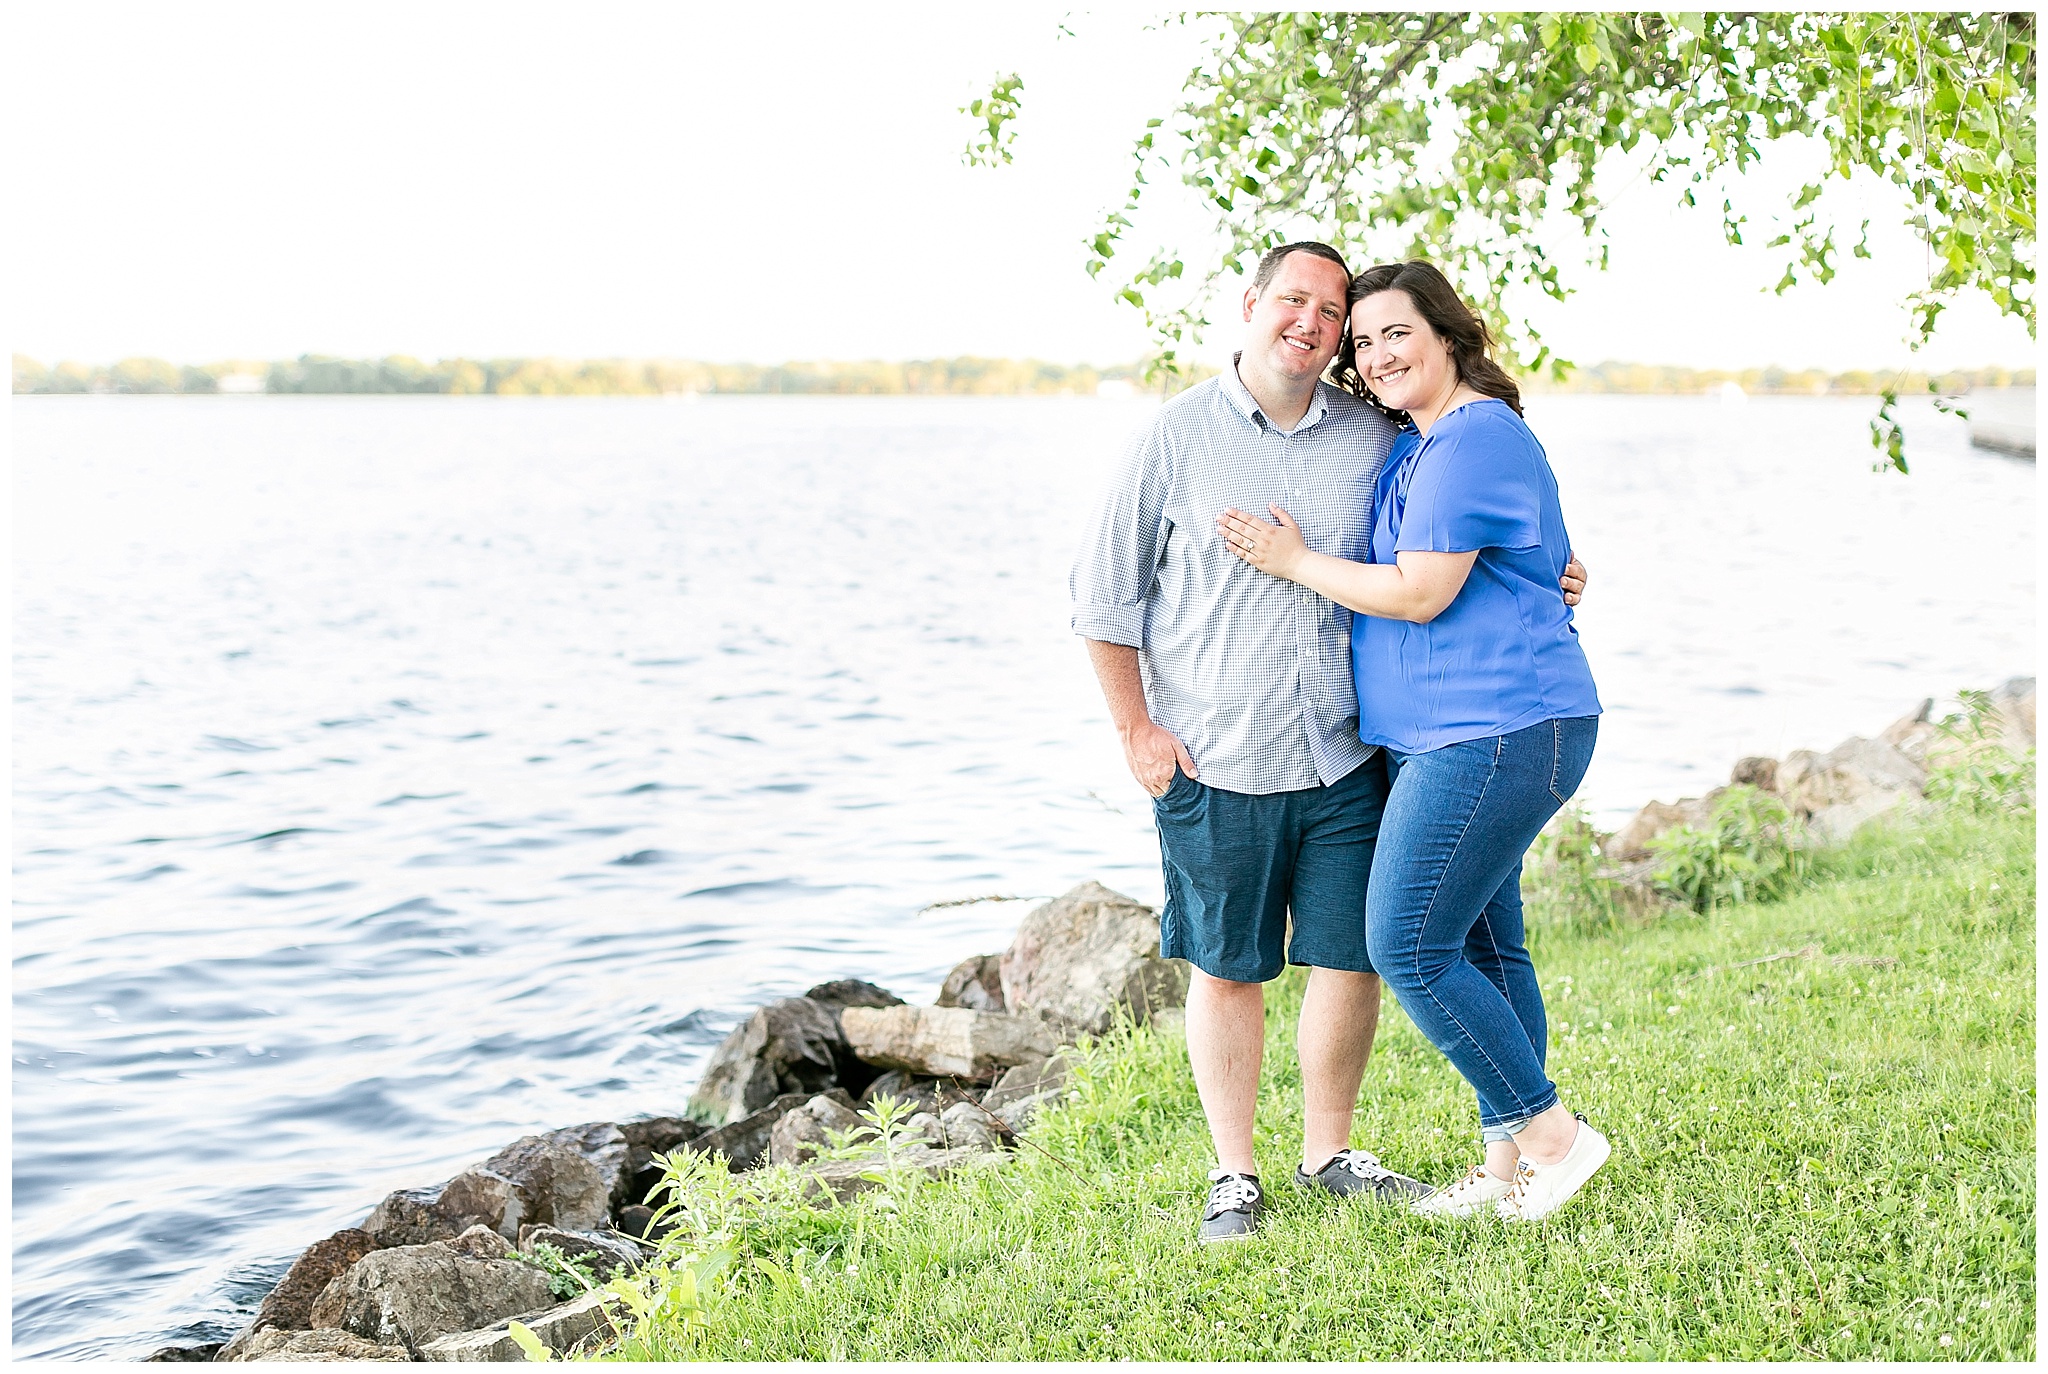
pixel 1540 1189
pixel 1476 1192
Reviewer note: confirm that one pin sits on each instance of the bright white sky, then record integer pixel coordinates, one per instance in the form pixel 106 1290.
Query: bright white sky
pixel 257 181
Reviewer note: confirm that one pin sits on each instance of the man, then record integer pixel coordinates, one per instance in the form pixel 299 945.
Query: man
pixel 1232 694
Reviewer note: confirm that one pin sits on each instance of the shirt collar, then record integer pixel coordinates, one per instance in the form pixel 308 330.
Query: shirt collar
pixel 1242 401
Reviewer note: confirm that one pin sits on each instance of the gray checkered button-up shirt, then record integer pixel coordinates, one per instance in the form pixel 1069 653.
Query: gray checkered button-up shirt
pixel 1251 673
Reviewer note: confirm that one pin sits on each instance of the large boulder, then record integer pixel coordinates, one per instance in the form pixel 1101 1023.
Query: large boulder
pixel 836 996
pixel 807 1130
pixel 559 1328
pixel 605 1145
pixel 792 1045
pixel 289 1306
pixel 947 1040
pixel 976 984
pixel 328 1345
pixel 1838 791
pixel 1080 957
pixel 412 1294
pixel 534 1179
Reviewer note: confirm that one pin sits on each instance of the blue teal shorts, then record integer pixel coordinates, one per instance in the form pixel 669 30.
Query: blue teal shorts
pixel 1237 866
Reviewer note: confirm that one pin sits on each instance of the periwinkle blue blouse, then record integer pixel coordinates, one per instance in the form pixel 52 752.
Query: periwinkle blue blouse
pixel 1503 655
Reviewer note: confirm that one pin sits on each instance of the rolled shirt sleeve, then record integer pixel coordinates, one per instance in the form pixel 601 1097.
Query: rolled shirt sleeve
pixel 1118 561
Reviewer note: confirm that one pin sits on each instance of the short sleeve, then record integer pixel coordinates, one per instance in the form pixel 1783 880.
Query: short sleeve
pixel 1474 488
pixel 1121 546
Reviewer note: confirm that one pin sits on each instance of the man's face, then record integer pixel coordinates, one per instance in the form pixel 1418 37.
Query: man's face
pixel 1293 327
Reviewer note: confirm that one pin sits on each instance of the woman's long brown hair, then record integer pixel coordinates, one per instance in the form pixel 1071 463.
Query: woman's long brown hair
pixel 1471 341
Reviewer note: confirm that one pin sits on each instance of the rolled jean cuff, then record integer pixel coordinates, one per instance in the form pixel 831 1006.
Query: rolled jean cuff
pixel 1508 1127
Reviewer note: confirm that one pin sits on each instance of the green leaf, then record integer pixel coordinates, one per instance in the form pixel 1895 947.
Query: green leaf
pixel 536 1349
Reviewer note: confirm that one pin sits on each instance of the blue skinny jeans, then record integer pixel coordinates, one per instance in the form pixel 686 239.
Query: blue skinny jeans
pixel 1444 912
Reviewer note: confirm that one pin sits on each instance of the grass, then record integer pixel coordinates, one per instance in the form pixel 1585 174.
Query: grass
pixel 1815 1157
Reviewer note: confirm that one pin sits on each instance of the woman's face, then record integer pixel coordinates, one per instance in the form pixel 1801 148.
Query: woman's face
pixel 1406 363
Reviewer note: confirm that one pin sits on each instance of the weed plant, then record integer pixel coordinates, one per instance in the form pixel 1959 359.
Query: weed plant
pixel 1749 850
pixel 1823 1118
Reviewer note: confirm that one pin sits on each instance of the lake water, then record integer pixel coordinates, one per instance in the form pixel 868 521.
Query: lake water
pixel 396 776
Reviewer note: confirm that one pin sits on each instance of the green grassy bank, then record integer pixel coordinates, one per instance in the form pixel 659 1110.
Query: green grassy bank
pixel 1829 1155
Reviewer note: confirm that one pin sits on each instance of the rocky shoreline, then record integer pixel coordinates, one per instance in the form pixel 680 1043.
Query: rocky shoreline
pixel 439 1273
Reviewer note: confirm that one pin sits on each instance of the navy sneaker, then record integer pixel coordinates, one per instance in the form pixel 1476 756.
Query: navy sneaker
pixel 1352 1173
pixel 1235 1202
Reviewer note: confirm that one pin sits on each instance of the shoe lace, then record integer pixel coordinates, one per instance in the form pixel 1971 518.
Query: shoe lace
pixel 1231 1193
pixel 1363 1164
pixel 1518 1187
pixel 1475 1178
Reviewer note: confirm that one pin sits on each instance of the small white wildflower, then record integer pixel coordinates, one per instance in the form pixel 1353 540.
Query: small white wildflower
pixel 1985 1303
pixel 1219 1326
pixel 852 1270
pixel 1948 1340
pixel 1671 1011
pixel 746 1341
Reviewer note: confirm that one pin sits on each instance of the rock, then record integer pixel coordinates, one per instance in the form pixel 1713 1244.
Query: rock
pixel 547 1178
pixel 481 1242
pixel 1913 733
pixel 1837 791
pixel 645 1139
pixel 184 1353
pixel 605 1145
pixel 413 1294
pixel 1631 843
pixel 976 984
pixel 559 1329
pixel 806 1131
pixel 836 996
pixel 325 1344
pixel 789 1046
pixel 417 1216
pixel 1020 1094
pixel 639 1223
pixel 2013 699
pixel 1755 771
pixel 555 1183
pixel 946 1040
pixel 744 1143
pixel 838 1180
pixel 609 1254
pixel 289 1306
pixel 921 1092
pixel 928 1127
pixel 1028 1080
pixel 842 993
pixel 966 1123
pixel 1079 957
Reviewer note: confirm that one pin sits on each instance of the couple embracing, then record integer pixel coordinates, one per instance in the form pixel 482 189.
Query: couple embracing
pixel 1333 625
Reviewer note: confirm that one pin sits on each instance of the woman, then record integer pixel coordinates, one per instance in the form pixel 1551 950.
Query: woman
pixel 1470 676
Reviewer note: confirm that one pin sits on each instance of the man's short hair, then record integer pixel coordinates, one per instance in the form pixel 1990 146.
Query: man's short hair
pixel 1270 263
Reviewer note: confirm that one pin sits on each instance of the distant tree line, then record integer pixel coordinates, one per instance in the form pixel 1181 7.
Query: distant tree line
pixel 1638 379
pixel 313 374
